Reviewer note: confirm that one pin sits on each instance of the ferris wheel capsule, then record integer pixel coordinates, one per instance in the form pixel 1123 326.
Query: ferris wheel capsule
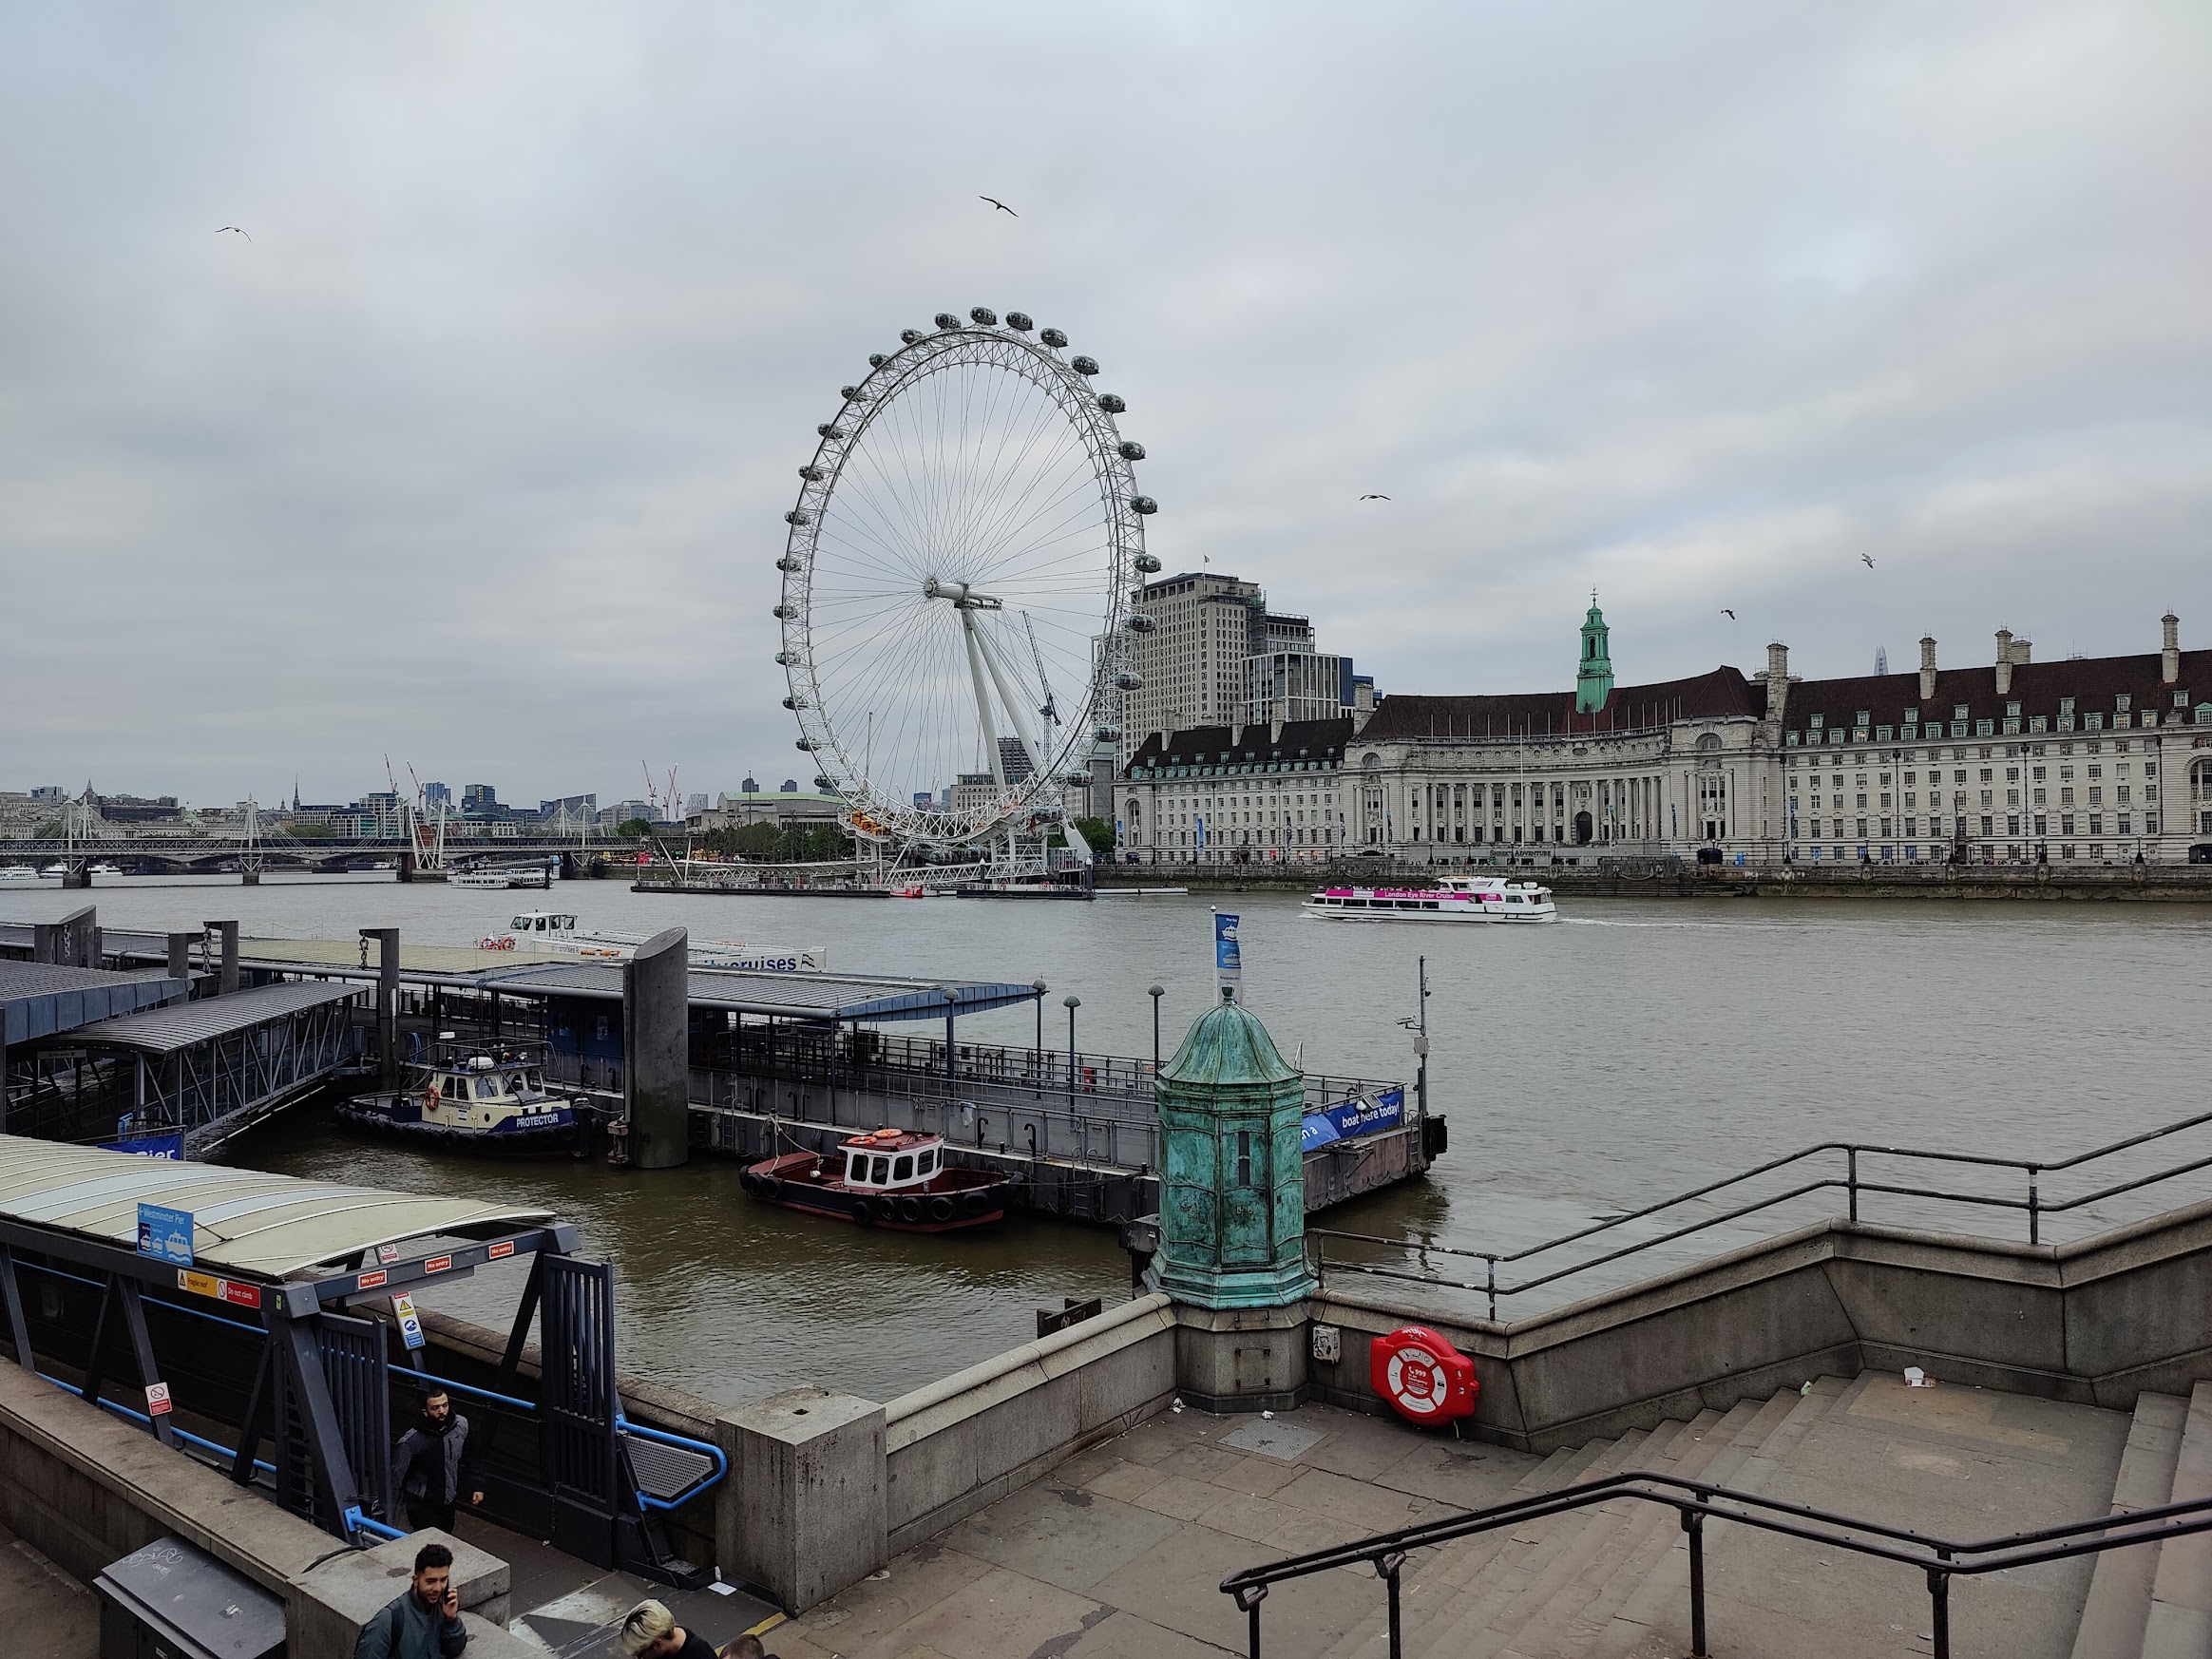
pixel 876 359
pixel 1143 504
pixel 1147 564
pixel 796 517
pixel 1111 402
pixel 1129 680
pixel 1083 365
pixel 1018 323
pixel 984 317
pixel 1054 338
pixel 944 319
pixel 908 337
pixel 1130 450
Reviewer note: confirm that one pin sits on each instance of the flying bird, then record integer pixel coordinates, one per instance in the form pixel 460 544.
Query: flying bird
pixel 1728 613
pixel 1867 559
pixel 1374 498
pixel 232 227
pixel 997 203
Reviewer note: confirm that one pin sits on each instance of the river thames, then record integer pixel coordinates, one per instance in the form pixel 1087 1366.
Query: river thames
pixel 1632 1050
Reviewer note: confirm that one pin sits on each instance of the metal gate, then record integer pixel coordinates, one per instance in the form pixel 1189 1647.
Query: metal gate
pixel 333 1428
pixel 578 1400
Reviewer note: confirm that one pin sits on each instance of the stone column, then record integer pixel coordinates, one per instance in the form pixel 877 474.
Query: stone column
pixel 387 1003
pixel 804 1512
pixel 1232 1215
pixel 657 1050
pixel 228 933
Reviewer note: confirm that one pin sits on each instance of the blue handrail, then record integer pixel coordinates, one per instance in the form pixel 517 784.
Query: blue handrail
pixel 435 1382
pixel 684 1442
pixel 358 1522
pixel 139 1417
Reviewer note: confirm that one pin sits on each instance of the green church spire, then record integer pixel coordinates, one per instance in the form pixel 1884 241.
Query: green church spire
pixel 1593 680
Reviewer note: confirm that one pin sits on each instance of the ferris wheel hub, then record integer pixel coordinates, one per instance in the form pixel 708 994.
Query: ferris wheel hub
pixel 962 597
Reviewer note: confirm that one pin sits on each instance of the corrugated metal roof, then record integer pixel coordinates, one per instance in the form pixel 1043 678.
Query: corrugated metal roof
pixel 38 998
pixel 789 996
pixel 272 1227
pixel 182 1024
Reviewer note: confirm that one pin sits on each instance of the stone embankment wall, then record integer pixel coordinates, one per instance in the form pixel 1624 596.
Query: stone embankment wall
pixel 1680 878
pixel 2095 1322
pixel 87 1489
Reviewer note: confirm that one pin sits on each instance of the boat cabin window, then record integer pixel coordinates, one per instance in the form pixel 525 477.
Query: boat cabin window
pixel 926 1163
pixel 882 1172
pixel 903 1169
pixel 856 1168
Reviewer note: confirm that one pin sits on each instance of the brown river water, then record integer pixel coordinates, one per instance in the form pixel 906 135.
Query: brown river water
pixel 1631 1050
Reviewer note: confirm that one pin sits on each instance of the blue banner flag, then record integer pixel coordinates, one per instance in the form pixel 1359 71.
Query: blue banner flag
pixel 1348 1120
pixel 149 1146
pixel 1227 961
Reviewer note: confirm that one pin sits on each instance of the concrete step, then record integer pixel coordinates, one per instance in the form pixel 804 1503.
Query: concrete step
pixel 1497 1585
pixel 2118 1605
pixel 1660 1600
pixel 2179 1625
pixel 1624 1540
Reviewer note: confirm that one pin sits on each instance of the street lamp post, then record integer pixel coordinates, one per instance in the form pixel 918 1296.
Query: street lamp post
pixel 1156 993
pixel 1037 1064
pixel 951 1055
pixel 1073 1003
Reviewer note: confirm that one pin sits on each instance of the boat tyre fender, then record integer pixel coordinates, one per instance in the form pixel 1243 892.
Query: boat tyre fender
pixel 941 1208
pixel 750 1182
pixel 975 1201
pixel 863 1211
pixel 910 1209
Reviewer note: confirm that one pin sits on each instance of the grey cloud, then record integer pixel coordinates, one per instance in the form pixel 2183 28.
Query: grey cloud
pixel 477 453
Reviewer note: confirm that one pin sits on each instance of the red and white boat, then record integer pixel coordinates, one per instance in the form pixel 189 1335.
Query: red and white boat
pixel 896 1178
pixel 1453 898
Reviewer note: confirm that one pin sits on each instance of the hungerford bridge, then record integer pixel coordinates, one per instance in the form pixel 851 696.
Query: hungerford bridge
pixel 420 849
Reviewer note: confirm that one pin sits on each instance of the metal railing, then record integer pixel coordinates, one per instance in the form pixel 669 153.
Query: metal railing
pixel 1940 1559
pixel 2030 1200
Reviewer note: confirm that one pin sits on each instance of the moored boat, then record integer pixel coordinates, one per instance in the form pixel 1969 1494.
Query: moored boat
pixel 895 1178
pixel 468 1099
pixel 554 933
pixel 1478 899
pixel 18 875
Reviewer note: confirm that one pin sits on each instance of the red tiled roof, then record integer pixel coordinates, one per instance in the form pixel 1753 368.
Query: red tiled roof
pixel 1720 694
pixel 2095 684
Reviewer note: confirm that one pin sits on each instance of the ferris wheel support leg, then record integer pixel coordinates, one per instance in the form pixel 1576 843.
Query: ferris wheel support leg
pixel 1017 711
pixel 975 657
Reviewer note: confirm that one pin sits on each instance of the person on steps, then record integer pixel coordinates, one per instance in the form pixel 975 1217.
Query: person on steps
pixel 650 1632
pixel 424 1623
pixel 435 1463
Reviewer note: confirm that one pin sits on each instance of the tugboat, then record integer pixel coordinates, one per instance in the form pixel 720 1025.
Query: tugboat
pixel 470 1099
pixel 895 1178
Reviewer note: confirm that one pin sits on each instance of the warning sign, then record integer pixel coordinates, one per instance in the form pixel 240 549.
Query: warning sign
pixel 157 1399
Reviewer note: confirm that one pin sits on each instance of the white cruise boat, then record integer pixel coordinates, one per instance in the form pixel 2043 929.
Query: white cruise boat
pixel 554 933
pixel 18 875
pixel 1476 898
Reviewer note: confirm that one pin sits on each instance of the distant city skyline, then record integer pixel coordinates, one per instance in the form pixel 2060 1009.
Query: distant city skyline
pixel 1833 325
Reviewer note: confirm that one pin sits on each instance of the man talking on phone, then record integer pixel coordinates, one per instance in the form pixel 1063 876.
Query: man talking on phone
pixel 423 1624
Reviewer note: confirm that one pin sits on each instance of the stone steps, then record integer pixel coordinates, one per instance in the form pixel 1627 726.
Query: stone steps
pixel 2118 1607
pixel 2179 1622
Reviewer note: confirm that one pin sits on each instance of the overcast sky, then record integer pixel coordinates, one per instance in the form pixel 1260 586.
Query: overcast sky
pixel 476 453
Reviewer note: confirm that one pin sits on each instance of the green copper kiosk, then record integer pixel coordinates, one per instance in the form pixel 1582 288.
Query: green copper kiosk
pixel 1232 1214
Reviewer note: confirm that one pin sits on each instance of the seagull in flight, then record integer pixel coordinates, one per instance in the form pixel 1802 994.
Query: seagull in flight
pixel 1728 613
pixel 1374 498
pixel 232 227
pixel 1867 559
pixel 997 203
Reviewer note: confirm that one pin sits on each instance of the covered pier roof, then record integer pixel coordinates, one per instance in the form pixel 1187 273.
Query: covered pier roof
pixel 245 1222
pixel 39 1000
pixel 182 1024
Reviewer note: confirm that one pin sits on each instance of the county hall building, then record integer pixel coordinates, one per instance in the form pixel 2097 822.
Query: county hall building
pixel 2091 760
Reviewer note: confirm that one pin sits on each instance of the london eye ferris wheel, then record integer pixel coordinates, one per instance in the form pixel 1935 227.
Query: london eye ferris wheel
pixel 957 581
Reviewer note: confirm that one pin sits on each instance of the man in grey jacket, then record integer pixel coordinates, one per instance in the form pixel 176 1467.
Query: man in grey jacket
pixel 434 1464
pixel 423 1624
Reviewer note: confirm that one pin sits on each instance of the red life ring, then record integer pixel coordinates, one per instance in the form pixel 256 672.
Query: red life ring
pixel 1421 1375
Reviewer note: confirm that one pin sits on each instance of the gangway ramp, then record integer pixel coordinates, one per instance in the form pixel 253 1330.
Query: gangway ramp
pixel 262 1343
